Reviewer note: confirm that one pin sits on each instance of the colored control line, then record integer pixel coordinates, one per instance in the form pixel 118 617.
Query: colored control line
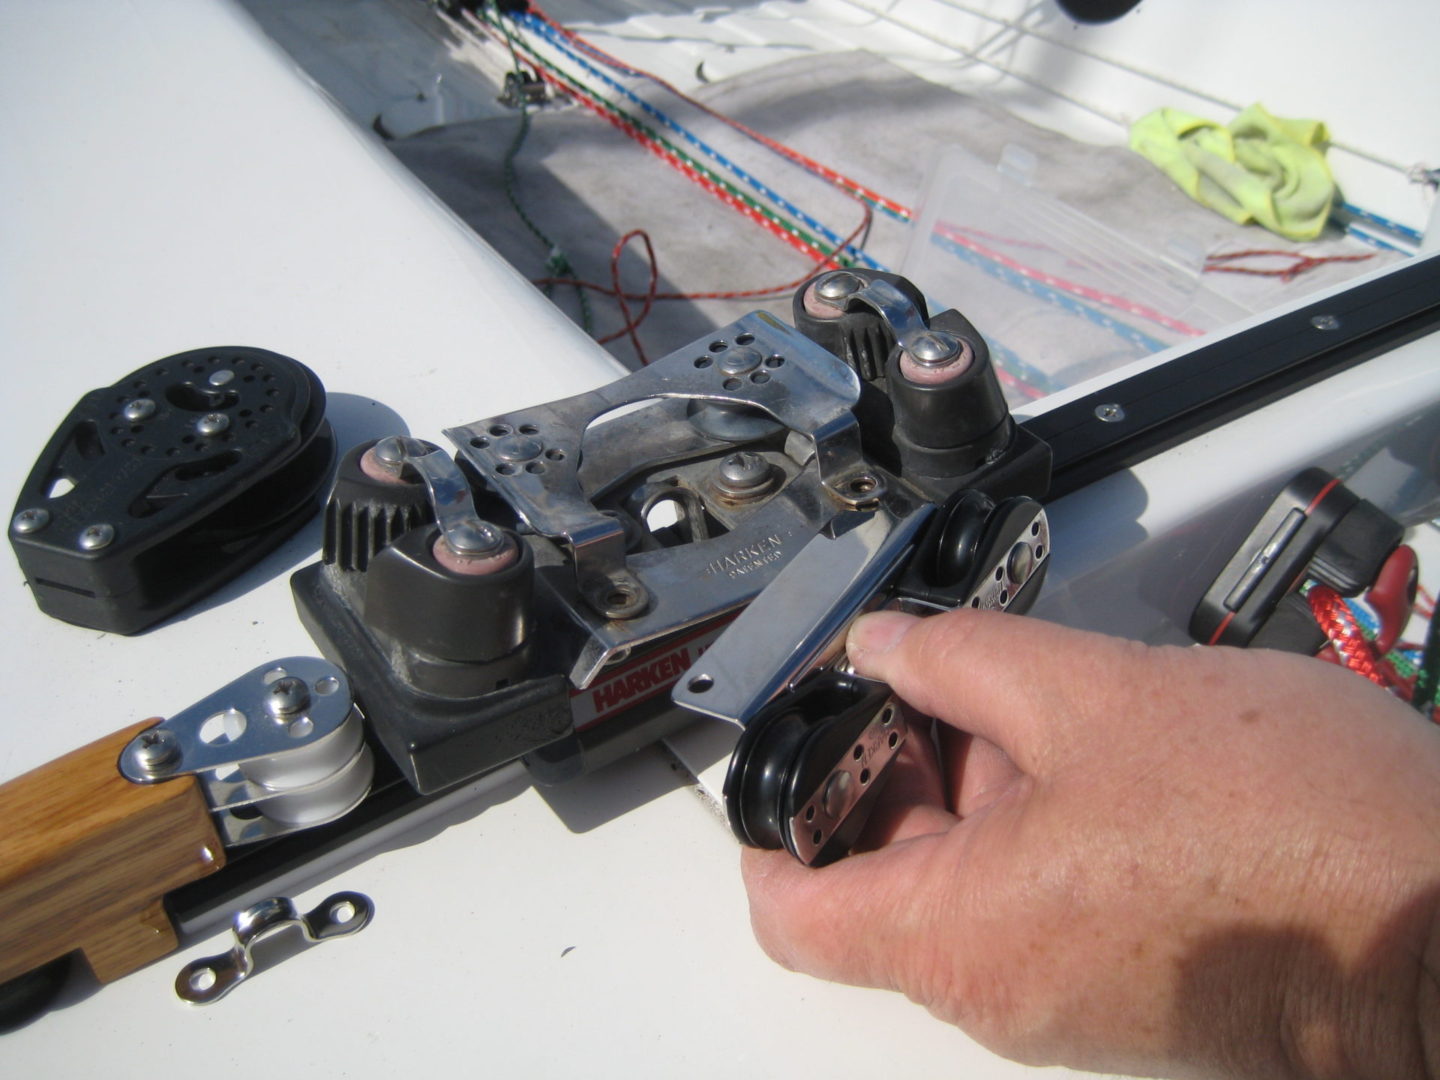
pixel 745 177
pixel 642 133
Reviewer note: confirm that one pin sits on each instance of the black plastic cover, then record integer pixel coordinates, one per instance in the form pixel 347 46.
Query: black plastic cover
pixel 364 514
pixel 966 415
pixel 1316 528
pixel 155 490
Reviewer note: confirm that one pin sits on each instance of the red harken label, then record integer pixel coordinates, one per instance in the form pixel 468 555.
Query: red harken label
pixel 640 679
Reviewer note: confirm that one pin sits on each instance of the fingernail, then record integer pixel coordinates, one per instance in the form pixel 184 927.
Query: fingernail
pixel 877 633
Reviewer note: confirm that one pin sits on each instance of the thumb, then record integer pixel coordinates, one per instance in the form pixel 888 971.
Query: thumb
pixel 1021 683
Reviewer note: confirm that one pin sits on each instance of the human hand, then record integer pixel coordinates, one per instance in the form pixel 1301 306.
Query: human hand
pixel 1163 861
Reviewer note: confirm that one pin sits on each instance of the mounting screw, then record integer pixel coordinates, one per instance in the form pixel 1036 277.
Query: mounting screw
pixel 1325 322
pixel 95 537
pixel 1110 412
pixel 288 695
pixel 743 473
pixel 212 424
pixel 156 750
pixel 139 409
pixel 221 377
pixel 619 599
pixel 30 521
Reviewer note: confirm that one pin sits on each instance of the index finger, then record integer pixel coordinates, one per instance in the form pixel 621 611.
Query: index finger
pixel 1023 684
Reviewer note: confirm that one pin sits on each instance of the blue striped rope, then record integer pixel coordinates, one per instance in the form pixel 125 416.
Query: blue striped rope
pixel 1015 279
pixel 1001 355
pixel 753 182
pixel 626 69
pixel 1365 236
pixel 1402 231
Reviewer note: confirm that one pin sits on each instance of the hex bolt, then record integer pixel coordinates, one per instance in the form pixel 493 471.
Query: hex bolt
pixel 95 537
pixel 212 424
pixel 30 521
pixel 156 750
pixel 138 410
pixel 1111 412
pixel 287 697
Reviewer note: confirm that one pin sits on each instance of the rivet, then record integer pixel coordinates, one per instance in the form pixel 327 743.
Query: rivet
pixel 517 448
pixel 741 361
pixel 836 792
pixel 835 287
pixel 933 348
pixel 1021 563
pixel 476 539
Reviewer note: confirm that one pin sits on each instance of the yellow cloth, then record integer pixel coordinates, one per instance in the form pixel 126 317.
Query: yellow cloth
pixel 1261 168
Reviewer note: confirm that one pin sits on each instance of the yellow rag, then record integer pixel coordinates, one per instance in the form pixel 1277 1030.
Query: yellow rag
pixel 1261 168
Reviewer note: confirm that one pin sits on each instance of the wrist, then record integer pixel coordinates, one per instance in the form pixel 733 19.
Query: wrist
pixel 1427 1001
pixel 1376 1010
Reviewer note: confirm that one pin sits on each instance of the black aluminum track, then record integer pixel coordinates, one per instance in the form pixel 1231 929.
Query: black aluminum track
pixel 1226 379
